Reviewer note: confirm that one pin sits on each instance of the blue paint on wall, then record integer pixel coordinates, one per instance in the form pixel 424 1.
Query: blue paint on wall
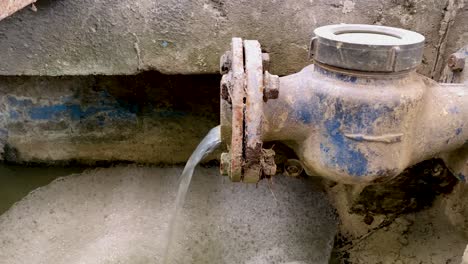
pixel 13 101
pixel 14 115
pixel 47 112
pixel 70 109
pixel 458 131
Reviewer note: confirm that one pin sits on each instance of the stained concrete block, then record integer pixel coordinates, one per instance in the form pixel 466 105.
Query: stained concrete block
pixel 181 36
pixel 100 118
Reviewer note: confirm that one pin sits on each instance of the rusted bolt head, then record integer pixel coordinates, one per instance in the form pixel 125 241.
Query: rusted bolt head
pixel 456 62
pixel 266 61
pixel 271 86
pixel 225 62
pixel 293 168
pixel 225 166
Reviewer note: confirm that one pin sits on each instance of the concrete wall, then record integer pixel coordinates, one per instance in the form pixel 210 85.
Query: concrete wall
pixel 57 105
pixel 147 118
pixel 183 36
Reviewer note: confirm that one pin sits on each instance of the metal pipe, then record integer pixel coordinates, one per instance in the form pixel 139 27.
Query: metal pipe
pixel 348 123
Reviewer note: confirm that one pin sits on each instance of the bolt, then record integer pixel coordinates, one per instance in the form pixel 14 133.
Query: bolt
pixel 266 61
pixel 271 86
pixel 225 165
pixel 456 62
pixel 293 167
pixel 225 62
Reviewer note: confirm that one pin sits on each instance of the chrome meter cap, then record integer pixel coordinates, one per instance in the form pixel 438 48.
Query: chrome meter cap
pixel 367 48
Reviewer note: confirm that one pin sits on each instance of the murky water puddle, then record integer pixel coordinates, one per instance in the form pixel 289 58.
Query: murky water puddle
pixel 17 181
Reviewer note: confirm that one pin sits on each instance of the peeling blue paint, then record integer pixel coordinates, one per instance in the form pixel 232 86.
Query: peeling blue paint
pixel 310 111
pixel 14 115
pixel 70 108
pixel 13 101
pixel 458 131
pixel 345 156
pixel 461 177
pixel 303 112
pixel 164 43
pixel 360 116
pixel 47 112
pixel 341 152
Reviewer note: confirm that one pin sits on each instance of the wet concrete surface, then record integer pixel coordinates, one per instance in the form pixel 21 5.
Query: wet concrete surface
pixel 17 181
pixel 121 215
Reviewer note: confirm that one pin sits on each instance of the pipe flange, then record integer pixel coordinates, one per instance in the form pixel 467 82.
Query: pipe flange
pixel 245 87
pixel 367 48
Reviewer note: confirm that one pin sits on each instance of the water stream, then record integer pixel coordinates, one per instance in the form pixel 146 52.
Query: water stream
pixel 206 146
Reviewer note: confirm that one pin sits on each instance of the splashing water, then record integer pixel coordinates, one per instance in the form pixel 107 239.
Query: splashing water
pixel 206 146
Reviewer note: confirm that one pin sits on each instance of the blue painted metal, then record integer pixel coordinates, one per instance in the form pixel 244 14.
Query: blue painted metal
pixel 355 127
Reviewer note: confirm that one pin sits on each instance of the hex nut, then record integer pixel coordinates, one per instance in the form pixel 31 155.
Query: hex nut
pixel 266 61
pixel 271 86
pixel 225 164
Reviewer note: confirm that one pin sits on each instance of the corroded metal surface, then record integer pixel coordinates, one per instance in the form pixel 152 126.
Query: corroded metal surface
pixel 361 128
pixel 244 90
pixel 253 110
pixel 351 125
pixel 237 99
pixel 456 70
pixel 8 7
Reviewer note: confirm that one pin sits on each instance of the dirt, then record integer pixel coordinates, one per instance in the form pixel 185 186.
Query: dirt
pixel 424 222
pixel 423 237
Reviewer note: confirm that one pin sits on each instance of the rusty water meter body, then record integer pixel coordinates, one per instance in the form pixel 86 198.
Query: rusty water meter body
pixel 358 114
